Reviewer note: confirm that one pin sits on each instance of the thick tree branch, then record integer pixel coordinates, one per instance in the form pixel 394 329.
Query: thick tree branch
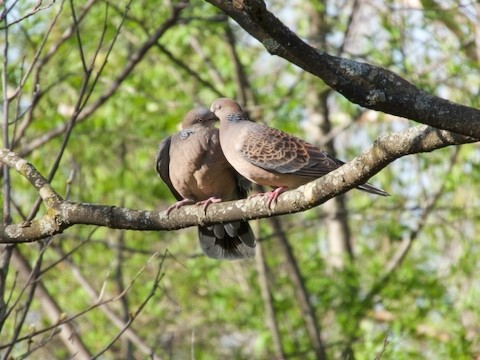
pixel 62 214
pixel 364 84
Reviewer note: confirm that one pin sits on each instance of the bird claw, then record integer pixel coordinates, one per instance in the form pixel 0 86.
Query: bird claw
pixel 206 203
pixel 178 205
pixel 270 196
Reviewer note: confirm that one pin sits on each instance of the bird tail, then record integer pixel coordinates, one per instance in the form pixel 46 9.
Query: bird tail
pixel 373 190
pixel 227 241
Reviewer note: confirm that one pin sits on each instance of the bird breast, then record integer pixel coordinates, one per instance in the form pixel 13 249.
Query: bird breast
pixel 201 171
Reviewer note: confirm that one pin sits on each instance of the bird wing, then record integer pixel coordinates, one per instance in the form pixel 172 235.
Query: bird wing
pixel 276 151
pixel 163 165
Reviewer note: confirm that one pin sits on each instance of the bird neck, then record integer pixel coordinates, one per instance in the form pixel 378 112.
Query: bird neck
pixel 185 133
pixel 236 117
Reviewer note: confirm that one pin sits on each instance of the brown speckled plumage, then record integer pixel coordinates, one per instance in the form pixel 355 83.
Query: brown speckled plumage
pixel 268 156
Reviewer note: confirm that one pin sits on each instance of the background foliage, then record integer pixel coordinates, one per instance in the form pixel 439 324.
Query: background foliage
pixel 410 289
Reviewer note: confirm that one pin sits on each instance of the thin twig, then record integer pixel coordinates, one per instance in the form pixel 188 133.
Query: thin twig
pixel 83 312
pixel 79 39
pixel 382 350
pixel 6 11
pixel 6 250
pixel 67 331
pixel 182 65
pixel 35 10
pixel 124 303
pixel 110 48
pixel 130 334
pixel 83 93
pixel 133 316
pixel 132 63
pixel 397 259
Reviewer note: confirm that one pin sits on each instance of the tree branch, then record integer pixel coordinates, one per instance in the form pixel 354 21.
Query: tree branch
pixel 367 85
pixel 62 214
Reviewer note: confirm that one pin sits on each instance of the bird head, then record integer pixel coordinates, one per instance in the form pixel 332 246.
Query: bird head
pixel 199 116
pixel 225 108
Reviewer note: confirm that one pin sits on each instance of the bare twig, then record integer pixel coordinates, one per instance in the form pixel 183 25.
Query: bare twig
pixel 130 334
pixel 355 10
pixel 6 250
pixel 83 94
pixel 212 70
pixel 32 276
pixel 182 65
pixel 382 350
pixel 124 303
pixel 38 52
pixel 107 55
pixel 133 316
pixel 67 331
pixel 79 39
pixel 63 321
pixel 32 12
pixel 39 64
pixel 6 11
pixel 394 263
pixel 5 124
pixel 133 62
pixel 243 84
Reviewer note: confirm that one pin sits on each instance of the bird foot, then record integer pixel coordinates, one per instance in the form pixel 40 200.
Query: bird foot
pixel 206 203
pixel 178 205
pixel 270 196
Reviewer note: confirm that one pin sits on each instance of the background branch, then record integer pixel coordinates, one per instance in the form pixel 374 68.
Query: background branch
pixel 364 84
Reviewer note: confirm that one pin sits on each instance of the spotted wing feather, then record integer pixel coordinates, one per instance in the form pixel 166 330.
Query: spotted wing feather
pixel 276 151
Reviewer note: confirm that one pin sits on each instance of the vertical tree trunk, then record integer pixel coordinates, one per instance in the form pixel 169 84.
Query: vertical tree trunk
pixel 267 298
pixel 338 231
pixel 312 324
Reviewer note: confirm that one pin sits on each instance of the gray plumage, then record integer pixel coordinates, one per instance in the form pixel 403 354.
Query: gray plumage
pixel 195 170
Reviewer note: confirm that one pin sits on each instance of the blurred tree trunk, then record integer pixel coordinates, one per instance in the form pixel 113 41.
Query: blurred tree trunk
pixel 318 116
pixel 68 333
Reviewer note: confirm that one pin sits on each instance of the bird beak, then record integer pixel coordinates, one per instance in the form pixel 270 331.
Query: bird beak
pixel 214 107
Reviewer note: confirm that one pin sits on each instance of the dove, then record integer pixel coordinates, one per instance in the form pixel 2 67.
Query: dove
pixel 192 165
pixel 271 157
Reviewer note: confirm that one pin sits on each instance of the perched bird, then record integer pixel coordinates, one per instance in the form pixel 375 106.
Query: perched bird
pixel 270 157
pixel 195 170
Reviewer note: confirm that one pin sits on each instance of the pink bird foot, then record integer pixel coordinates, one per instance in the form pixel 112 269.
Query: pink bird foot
pixel 178 205
pixel 205 203
pixel 270 196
